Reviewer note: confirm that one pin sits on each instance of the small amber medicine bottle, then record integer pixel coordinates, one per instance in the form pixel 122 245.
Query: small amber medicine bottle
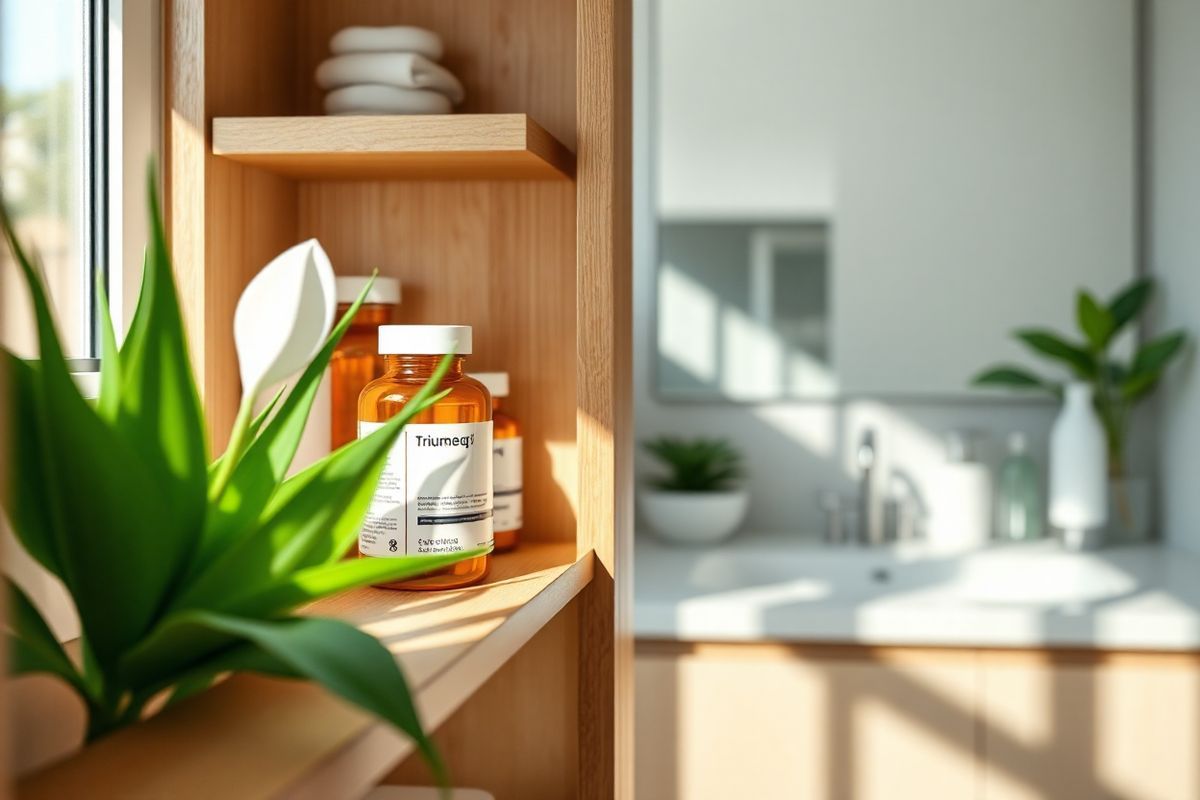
pixel 506 463
pixel 356 361
pixel 435 494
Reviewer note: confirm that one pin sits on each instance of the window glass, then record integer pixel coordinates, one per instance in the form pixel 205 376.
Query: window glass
pixel 43 123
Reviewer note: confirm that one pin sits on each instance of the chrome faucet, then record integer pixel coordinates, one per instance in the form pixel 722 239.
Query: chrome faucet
pixel 870 527
pixel 877 515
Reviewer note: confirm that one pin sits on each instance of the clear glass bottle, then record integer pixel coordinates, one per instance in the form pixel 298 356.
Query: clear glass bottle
pixel 435 495
pixel 1018 495
pixel 507 468
pixel 356 361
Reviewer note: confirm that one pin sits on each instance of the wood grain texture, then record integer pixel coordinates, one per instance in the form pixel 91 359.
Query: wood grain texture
pixel 1119 728
pixel 516 736
pixel 254 737
pixel 712 727
pixel 915 721
pixel 449 147
pixel 227 221
pixel 605 417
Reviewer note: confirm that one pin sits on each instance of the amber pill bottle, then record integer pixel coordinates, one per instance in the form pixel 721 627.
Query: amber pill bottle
pixel 356 360
pixel 435 494
pixel 507 468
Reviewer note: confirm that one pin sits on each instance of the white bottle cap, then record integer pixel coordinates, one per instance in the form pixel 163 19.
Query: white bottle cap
pixel 384 290
pixel 424 340
pixel 496 382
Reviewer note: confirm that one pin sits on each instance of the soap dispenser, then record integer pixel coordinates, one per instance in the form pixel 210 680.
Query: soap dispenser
pixel 1018 494
pixel 961 503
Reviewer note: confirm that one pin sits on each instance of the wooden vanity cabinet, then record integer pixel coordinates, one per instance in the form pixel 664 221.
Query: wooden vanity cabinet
pixel 829 721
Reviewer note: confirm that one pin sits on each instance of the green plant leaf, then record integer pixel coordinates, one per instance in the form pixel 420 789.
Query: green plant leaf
pixel 1154 355
pixel 28 496
pixel 159 413
pixel 1139 384
pixel 1129 302
pixel 696 465
pixel 1095 321
pixel 33 647
pixel 112 555
pixel 255 426
pixel 108 405
pixel 343 659
pixel 1010 377
pixel 268 457
pixel 175 645
pixel 1050 344
pixel 314 516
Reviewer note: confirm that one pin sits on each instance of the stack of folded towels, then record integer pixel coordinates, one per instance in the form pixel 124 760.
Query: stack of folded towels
pixel 390 70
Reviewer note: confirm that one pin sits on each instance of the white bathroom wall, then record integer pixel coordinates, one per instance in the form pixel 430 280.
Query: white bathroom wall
pixel 1174 141
pixel 793 450
pixel 710 107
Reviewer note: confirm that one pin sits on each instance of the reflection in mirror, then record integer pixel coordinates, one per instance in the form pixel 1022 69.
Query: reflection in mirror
pixel 865 199
pixel 744 310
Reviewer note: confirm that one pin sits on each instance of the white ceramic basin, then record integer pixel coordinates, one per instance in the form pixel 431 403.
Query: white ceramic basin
pixel 781 588
pixel 993 577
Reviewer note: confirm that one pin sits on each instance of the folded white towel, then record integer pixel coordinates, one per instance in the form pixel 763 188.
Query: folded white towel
pixel 397 38
pixel 374 99
pixel 406 70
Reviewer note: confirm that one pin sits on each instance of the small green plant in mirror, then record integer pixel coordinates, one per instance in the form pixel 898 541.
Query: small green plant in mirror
pixel 695 465
pixel 1118 385
pixel 181 570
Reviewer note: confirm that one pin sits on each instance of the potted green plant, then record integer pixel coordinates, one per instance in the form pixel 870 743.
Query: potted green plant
pixel 699 500
pixel 182 569
pixel 1118 385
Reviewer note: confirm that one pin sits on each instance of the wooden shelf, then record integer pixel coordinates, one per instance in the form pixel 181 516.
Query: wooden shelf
pixel 435 147
pixel 259 737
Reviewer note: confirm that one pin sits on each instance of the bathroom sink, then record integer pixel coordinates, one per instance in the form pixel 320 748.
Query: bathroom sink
pixel 1052 579
pixel 849 573
pixel 780 588
pixel 1029 576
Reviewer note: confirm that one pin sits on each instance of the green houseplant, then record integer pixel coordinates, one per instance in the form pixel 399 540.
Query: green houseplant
pixel 182 570
pixel 699 499
pixel 1119 385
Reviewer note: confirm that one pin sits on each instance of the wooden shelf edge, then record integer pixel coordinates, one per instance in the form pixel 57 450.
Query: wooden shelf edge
pixel 426 147
pixel 369 757
pixel 260 737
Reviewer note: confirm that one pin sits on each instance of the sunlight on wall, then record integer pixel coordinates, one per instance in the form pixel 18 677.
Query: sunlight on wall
pixel 813 427
pixel 752 358
pixel 687 327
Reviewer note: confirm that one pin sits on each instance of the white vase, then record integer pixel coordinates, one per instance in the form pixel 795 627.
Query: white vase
pixel 1078 470
pixel 694 517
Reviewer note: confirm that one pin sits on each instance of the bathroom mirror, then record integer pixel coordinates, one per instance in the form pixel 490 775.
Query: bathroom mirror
pixel 842 187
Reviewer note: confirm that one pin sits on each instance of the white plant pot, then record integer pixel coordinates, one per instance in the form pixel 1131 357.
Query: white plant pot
pixel 1129 510
pixel 694 517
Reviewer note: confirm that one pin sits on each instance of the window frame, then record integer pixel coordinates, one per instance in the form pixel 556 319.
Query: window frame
pixel 134 88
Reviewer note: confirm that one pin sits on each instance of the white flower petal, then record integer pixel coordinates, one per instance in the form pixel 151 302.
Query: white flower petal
pixel 284 316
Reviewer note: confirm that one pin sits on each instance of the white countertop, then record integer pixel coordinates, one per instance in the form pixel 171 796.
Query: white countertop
pixel 779 588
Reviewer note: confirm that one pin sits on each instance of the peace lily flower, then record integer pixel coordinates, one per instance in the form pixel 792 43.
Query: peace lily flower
pixel 282 319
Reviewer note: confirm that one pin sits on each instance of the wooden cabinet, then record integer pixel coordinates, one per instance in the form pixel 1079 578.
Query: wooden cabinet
pixel 1121 726
pixel 513 217
pixel 776 721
